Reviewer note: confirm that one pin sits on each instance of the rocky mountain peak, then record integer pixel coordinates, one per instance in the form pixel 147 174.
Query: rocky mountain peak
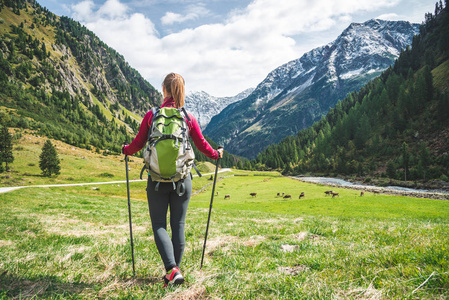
pixel 204 106
pixel 299 92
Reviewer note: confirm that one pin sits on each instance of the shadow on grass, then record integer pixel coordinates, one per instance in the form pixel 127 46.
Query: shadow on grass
pixel 143 281
pixel 34 175
pixel 17 287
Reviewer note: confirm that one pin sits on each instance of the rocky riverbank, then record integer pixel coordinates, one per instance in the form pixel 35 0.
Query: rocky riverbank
pixel 440 193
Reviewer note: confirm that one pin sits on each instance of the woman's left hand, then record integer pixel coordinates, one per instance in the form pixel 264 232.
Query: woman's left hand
pixel 220 152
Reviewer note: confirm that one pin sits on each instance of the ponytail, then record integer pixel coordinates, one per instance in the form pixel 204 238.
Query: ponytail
pixel 174 85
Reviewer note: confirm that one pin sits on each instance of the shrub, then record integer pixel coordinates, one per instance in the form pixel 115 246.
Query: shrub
pixel 434 172
pixel 108 175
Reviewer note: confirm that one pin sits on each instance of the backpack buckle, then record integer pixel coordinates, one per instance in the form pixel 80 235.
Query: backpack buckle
pixel 181 188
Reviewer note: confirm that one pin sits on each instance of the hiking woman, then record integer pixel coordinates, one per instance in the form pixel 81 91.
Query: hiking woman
pixel 162 195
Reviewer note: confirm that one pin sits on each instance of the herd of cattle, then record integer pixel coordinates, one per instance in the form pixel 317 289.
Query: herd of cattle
pixel 302 195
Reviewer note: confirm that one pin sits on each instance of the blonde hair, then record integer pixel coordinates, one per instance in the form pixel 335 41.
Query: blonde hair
pixel 174 85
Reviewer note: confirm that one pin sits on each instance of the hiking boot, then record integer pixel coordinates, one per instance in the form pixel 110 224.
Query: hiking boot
pixel 174 276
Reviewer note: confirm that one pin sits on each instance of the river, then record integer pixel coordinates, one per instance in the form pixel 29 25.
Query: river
pixel 342 182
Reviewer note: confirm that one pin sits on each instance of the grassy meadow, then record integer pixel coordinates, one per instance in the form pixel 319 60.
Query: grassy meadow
pixel 77 164
pixel 73 242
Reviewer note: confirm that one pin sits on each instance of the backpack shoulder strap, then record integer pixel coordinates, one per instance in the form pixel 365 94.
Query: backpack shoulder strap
pixel 185 113
pixel 155 111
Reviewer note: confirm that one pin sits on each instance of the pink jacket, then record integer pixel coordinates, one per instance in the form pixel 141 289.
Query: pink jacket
pixel 194 131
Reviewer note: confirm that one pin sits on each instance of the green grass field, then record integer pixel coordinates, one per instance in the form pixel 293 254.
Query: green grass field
pixel 73 243
pixel 77 165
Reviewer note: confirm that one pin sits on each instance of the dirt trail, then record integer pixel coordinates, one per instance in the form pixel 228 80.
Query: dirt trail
pixel 9 189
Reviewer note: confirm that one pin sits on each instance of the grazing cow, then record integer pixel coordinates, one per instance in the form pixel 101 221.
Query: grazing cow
pixel 217 193
pixel 302 195
pixel 362 193
pixel 227 196
pixel 335 194
pixel 253 194
pixel 278 194
pixel 287 196
pixel 328 193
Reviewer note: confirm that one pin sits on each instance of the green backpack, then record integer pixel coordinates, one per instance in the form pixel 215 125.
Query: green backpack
pixel 168 155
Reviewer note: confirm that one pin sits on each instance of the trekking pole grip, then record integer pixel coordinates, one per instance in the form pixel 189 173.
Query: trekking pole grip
pixel 123 148
pixel 219 147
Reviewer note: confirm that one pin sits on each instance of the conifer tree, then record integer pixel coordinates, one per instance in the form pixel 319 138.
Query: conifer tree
pixel 405 158
pixel 49 161
pixel 424 158
pixel 239 165
pixel 362 132
pixel 391 170
pixel 6 155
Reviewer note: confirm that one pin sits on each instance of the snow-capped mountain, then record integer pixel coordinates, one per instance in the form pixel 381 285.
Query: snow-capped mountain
pixel 298 93
pixel 204 106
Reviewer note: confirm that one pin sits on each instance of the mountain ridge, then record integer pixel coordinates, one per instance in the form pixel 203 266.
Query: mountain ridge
pixel 393 131
pixel 60 79
pixel 204 106
pixel 302 90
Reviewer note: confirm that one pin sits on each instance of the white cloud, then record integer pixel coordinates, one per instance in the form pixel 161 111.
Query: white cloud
pixel 113 9
pixel 223 58
pixel 171 18
pixel 110 10
pixel 389 17
pixel 83 11
pixel 193 13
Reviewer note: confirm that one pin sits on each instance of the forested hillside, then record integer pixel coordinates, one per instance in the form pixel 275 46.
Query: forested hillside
pixel 396 126
pixel 61 80
pixel 228 160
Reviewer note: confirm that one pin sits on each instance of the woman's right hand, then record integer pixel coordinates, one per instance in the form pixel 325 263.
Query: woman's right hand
pixel 220 152
pixel 123 147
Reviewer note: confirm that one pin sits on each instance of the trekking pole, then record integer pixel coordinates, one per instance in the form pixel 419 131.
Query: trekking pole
pixel 210 211
pixel 129 213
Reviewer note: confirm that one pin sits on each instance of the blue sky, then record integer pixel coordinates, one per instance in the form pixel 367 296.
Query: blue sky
pixel 224 46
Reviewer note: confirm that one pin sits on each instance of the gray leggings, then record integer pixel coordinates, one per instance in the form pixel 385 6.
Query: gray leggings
pixel 171 250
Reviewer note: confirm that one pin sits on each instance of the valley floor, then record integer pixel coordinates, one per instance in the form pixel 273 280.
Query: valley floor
pixel 73 242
